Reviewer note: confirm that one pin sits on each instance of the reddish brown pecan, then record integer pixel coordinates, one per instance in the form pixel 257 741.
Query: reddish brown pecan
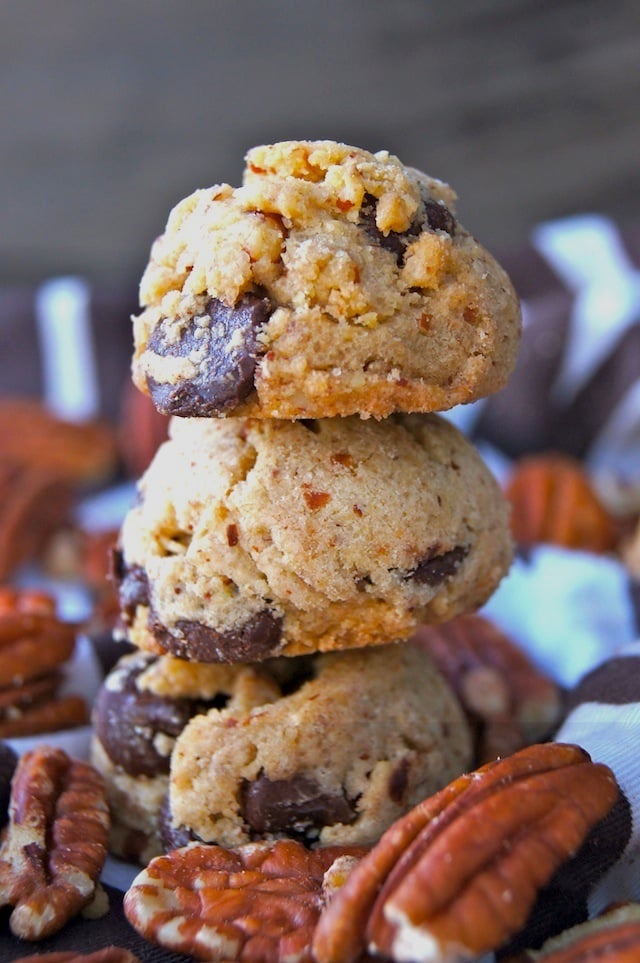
pixel 553 501
pixel 458 876
pixel 33 505
pixel 509 701
pixel 55 845
pixel 75 452
pixel 259 902
pixel 108 954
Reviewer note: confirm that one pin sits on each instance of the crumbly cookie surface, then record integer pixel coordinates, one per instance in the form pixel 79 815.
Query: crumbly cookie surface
pixel 332 282
pixel 255 537
pixel 360 739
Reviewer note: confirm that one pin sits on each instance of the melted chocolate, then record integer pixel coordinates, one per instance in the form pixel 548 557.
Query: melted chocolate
pixel 173 837
pixel 436 568
pixel 127 721
pixel 433 215
pixel 133 586
pixel 254 641
pixel 295 807
pixel 225 376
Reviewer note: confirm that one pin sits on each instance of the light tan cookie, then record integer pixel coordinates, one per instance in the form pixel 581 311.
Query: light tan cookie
pixel 333 282
pixel 356 739
pixel 257 537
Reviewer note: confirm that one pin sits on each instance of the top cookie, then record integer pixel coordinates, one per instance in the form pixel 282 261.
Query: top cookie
pixel 333 282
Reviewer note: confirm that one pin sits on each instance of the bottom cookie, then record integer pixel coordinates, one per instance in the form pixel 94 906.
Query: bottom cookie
pixel 326 749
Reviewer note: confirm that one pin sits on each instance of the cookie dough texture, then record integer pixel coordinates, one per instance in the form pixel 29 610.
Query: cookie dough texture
pixel 255 537
pixel 332 282
pixel 335 760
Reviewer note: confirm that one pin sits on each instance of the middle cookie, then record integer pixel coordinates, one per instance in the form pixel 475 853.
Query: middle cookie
pixel 252 538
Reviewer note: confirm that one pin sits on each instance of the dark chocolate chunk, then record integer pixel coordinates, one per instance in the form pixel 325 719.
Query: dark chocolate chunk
pixel 399 781
pixel 438 216
pixel 295 807
pixel 257 639
pixel 173 837
pixel 434 214
pixel 127 720
pixel 8 763
pixel 392 241
pixel 229 348
pixel 436 568
pixel 133 585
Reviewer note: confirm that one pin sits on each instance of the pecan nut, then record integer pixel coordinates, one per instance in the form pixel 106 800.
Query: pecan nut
pixel 552 501
pixel 76 452
pixel 108 954
pixel 458 876
pixel 55 845
pixel 53 715
pixel 34 504
pixel 259 901
pixel 32 643
pixel 510 703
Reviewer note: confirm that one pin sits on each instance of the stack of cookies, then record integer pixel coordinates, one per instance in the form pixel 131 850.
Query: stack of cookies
pixel 308 511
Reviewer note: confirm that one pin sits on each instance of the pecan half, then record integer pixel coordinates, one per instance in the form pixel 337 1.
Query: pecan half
pixel 257 902
pixel 54 715
pixel 77 452
pixel 33 505
pixel 108 954
pixel 510 703
pixel 459 874
pixel 32 644
pixel 55 845
pixel 552 501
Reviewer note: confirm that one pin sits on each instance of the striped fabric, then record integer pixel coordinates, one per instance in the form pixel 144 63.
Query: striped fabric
pixel 68 343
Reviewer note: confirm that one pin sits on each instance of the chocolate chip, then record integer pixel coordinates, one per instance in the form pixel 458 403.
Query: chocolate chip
pixel 399 781
pixel 438 216
pixel 133 585
pixel 257 639
pixel 127 720
pixel 435 215
pixel 392 241
pixel 296 807
pixel 436 568
pixel 229 349
pixel 173 837
pixel 8 763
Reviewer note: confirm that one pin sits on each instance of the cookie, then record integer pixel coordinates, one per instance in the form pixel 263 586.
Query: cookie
pixel 258 537
pixel 140 709
pixel 332 282
pixel 354 741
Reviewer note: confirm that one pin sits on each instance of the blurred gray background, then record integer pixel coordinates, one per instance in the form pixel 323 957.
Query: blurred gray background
pixel 113 111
